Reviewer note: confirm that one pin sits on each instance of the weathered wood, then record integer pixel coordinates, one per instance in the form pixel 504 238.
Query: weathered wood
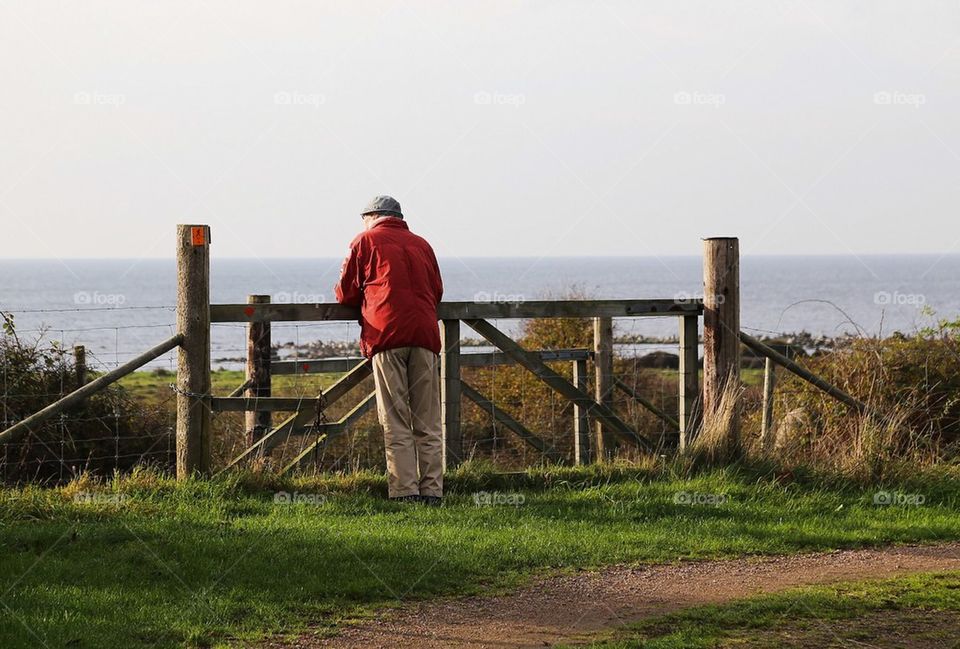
pixel 465 310
pixel 721 326
pixel 559 384
pixel 476 359
pixel 806 374
pixel 649 405
pixel 506 419
pixel 25 426
pixel 769 386
pixel 490 359
pixel 568 309
pixel 266 404
pixel 689 380
pixel 258 373
pixel 297 422
pixel 605 444
pixel 581 422
pixel 332 430
pixel 240 389
pixel 193 365
pixel 365 405
pixel 79 366
pixel 450 388
pixel 258 421
pixel 313 366
pixel 362 370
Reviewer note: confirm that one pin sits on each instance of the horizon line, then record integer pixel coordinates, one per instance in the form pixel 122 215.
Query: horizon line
pixel 849 255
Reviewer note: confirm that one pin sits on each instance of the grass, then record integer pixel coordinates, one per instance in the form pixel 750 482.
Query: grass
pixel 919 610
pixel 154 387
pixel 153 563
pixel 750 376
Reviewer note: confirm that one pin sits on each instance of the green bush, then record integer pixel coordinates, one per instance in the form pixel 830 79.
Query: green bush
pixel 107 432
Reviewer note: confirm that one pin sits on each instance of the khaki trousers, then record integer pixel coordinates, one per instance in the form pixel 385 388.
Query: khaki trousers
pixel 408 405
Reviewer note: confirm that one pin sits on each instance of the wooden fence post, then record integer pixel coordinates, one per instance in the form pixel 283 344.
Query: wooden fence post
pixel 581 423
pixel 451 389
pixel 79 366
pixel 258 422
pixel 769 385
pixel 193 362
pixel 689 379
pixel 603 362
pixel 721 326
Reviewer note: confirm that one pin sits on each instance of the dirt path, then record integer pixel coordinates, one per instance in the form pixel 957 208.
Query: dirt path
pixel 574 608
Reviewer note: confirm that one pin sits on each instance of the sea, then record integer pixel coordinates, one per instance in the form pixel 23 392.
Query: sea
pixel 118 308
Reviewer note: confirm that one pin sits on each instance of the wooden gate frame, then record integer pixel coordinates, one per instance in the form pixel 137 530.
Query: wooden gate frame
pixel 195 405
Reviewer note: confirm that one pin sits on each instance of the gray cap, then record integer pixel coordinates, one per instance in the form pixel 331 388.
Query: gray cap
pixel 384 205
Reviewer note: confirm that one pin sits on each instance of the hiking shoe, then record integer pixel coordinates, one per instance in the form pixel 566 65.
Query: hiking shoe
pixel 431 501
pixel 406 499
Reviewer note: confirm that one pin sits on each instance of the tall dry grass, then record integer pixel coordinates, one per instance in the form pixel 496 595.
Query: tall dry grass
pixel 717 442
pixel 911 385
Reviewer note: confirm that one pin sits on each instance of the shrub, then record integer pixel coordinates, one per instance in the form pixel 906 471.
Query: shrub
pixel 912 385
pixel 109 431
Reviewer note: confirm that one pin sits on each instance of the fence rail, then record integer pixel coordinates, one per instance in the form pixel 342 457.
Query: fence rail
pixel 465 310
pixel 475 359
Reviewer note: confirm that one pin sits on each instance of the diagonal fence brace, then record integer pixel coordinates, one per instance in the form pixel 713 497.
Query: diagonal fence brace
pixel 506 419
pixel 298 421
pixel 566 389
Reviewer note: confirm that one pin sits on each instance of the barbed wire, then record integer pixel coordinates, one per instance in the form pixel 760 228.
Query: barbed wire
pixel 101 458
pixel 89 309
pixel 103 328
pixel 770 332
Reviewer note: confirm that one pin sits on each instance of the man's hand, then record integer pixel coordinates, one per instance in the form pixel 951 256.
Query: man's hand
pixel 349 290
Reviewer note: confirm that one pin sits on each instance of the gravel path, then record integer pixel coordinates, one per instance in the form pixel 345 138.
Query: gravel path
pixel 574 608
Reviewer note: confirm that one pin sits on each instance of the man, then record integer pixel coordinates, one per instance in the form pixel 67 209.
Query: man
pixel 393 276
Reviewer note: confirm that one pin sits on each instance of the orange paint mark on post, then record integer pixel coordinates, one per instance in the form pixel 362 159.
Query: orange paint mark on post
pixel 198 235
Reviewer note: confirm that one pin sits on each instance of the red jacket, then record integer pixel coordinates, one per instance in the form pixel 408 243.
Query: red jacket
pixel 393 276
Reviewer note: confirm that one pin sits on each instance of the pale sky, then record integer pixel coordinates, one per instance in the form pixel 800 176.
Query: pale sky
pixel 504 128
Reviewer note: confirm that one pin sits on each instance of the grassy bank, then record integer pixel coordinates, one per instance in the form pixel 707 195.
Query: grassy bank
pixel 922 610
pixel 146 562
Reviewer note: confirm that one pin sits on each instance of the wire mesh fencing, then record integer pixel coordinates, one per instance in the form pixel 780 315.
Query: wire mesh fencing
pixel 515 420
